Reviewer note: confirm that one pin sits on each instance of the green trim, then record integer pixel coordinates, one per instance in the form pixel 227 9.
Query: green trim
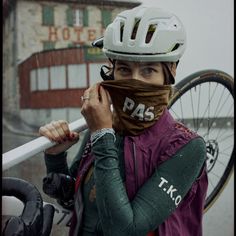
pixel 106 17
pixel 69 17
pixel 85 17
pixel 48 45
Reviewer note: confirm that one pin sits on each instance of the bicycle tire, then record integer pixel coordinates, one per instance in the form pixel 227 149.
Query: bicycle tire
pixel 191 82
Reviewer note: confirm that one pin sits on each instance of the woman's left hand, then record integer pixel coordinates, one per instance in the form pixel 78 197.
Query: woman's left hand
pixel 96 108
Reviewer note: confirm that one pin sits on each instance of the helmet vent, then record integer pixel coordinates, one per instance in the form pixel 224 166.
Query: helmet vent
pixel 151 30
pixel 122 24
pixel 135 28
pixel 175 47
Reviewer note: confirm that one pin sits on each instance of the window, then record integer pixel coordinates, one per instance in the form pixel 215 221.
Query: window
pixel 48 15
pixel 106 17
pixel 33 80
pixel 77 76
pixel 43 79
pixel 77 17
pixel 58 77
pixel 39 79
pixel 61 77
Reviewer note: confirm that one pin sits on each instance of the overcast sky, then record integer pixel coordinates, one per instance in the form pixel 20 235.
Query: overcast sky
pixel 210 34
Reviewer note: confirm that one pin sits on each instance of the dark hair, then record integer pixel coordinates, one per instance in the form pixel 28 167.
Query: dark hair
pixel 168 77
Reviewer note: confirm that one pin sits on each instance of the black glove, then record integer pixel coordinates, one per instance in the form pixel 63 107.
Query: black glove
pixel 60 187
pixel 36 219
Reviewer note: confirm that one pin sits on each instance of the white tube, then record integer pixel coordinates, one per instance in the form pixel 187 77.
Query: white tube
pixel 23 152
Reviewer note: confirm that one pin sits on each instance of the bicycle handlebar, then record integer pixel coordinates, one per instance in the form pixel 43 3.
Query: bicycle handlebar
pixel 35 219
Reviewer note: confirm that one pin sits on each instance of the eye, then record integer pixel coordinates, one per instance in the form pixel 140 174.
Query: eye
pixel 123 70
pixel 148 71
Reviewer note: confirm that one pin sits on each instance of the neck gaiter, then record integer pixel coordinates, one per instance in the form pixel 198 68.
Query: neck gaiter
pixel 137 105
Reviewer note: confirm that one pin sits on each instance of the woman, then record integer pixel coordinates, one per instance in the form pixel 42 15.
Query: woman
pixel 141 172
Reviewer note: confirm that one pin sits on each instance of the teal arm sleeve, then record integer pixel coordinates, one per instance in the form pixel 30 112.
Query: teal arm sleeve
pixel 155 200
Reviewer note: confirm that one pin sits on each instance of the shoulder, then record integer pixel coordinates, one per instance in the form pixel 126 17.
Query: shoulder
pixel 180 136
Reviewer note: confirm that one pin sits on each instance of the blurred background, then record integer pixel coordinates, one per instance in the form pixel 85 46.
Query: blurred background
pixel 48 62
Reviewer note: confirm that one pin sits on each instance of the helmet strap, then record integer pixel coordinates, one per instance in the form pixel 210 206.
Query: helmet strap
pixel 109 74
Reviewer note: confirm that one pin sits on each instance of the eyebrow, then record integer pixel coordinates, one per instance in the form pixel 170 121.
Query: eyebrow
pixel 121 63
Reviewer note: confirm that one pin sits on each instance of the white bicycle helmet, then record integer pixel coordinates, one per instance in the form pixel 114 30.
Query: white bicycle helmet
pixel 145 34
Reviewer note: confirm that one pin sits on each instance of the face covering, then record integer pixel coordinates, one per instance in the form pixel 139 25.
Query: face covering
pixel 137 104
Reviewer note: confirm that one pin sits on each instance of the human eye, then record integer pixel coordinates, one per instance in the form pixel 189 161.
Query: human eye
pixel 148 71
pixel 123 70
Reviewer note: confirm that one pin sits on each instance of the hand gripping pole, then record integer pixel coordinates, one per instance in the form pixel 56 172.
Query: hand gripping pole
pixel 25 151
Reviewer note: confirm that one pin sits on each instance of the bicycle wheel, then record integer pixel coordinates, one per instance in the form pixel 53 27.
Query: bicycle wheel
pixel 204 101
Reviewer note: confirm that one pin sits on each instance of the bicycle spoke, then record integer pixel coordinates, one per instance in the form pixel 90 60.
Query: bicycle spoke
pixel 222 106
pixel 208 105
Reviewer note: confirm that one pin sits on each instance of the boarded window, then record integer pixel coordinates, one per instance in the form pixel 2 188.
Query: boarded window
pixel 48 15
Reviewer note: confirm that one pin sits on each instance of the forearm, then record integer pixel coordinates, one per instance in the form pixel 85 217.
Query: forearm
pixel 56 163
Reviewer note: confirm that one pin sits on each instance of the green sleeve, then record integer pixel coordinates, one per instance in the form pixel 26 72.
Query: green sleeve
pixel 155 200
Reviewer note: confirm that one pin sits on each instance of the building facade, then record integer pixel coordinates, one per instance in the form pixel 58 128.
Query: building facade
pixel 48 60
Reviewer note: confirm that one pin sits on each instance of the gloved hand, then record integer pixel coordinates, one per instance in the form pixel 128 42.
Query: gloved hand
pixel 60 187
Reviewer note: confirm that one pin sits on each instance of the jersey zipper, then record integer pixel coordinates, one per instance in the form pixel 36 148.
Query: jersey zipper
pixel 135 166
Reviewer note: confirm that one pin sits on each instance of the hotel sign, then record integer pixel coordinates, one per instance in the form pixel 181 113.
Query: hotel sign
pixel 78 35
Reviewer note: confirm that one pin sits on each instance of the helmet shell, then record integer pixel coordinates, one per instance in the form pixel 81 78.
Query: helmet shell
pixel 126 37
